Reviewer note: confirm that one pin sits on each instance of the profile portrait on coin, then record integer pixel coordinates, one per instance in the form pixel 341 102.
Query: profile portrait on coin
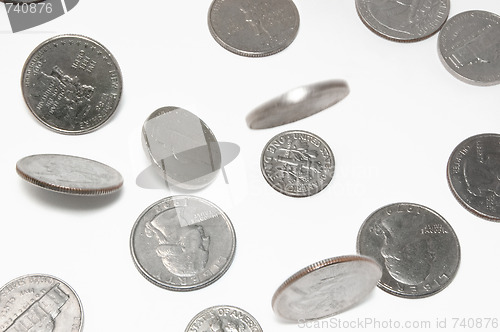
pixel 482 178
pixel 408 254
pixel 182 248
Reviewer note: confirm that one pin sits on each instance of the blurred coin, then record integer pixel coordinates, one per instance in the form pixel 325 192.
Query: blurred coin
pixel 469 47
pixel 297 104
pixel 72 84
pixel 403 21
pixel 182 147
pixel 182 243
pixel 39 302
pixel 326 288
pixel 416 247
pixel 69 174
pixel 223 318
pixel 473 174
pixel 297 163
pixel 253 28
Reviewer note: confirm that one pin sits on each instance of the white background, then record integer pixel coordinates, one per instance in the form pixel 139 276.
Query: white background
pixel 391 138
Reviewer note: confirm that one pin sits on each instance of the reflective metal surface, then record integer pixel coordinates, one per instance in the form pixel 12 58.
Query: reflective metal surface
pixel 326 288
pixel 182 243
pixel 69 174
pixel 223 318
pixel 417 248
pixel 297 104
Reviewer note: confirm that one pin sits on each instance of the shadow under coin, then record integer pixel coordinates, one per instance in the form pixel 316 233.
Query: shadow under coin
pixel 70 202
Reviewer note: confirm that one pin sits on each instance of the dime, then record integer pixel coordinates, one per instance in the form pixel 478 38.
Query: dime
pixel 71 84
pixel 297 104
pixel 182 243
pixel 183 148
pixel 326 288
pixel 297 163
pixel 417 249
pixel 69 174
pixel 223 318
pixel 253 28
pixel 473 174
pixel 469 47
pixel 403 21
pixel 40 302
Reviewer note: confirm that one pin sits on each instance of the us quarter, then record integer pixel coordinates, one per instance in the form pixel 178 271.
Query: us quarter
pixel 469 47
pixel 253 28
pixel 69 174
pixel 72 84
pixel 326 288
pixel 297 104
pixel 182 243
pixel 182 147
pixel 297 163
pixel 403 21
pixel 416 247
pixel 40 302
pixel 473 174
pixel 223 318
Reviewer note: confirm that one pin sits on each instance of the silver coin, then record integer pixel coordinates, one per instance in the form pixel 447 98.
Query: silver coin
pixel 416 247
pixel 469 47
pixel 297 104
pixel 253 28
pixel 297 163
pixel 223 318
pixel 39 302
pixel 69 174
pixel 326 288
pixel 473 174
pixel 182 243
pixel 183 148
pixel 403 21
pixel 71 84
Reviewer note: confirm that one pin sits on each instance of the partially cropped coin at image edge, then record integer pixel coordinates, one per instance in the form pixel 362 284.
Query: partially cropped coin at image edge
pixel 72 84
pixel 223 318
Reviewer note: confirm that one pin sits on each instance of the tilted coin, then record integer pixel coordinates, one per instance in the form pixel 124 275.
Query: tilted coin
pixel 183 148
pixel 223 318
pixel 473 174
pixel 39 302
pixel 297 104
pixel 469 47
pixel 71 84
pixel 253 28
pixel 416 247
pixel 297 163
pixel 69 174
pixel 182 243
pixel 326 288
pixel 403 21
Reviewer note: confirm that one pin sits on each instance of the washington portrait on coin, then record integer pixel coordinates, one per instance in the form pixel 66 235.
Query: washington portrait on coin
pixel 418 249
pixel 473 174
pixel 183 243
